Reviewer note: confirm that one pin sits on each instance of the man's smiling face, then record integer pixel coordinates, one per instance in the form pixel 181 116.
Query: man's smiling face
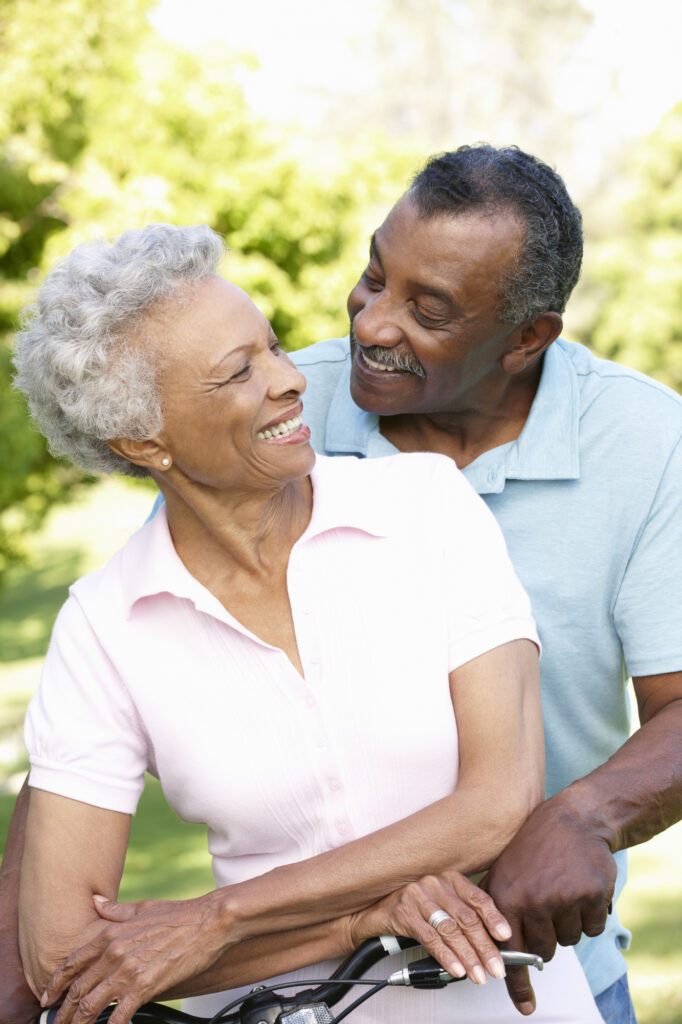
pixel 425 332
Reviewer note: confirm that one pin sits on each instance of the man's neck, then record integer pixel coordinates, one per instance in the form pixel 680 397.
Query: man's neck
pixel 463 435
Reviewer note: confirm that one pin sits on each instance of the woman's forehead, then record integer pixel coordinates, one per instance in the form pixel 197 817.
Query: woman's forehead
pixel 209 319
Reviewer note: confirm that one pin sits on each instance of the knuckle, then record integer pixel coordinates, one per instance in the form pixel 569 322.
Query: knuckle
pixel 119 950
pixel 468 918
pixel 76 992
pixel 412 891
pixel 87 1007
pixel 478 898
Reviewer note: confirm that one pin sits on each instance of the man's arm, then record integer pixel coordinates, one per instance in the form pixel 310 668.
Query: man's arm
pixel 556 877
pixel 18 1005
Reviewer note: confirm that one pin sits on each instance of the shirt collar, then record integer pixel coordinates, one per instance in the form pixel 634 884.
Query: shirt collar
pixel 546 449
pixel 151 565
pixel 341 500
pixel 548 446
pixel 349 429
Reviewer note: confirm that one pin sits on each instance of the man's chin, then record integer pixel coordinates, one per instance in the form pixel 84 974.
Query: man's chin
pixel 379 398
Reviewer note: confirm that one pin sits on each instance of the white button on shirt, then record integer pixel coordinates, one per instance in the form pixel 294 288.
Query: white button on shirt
pixel 400 577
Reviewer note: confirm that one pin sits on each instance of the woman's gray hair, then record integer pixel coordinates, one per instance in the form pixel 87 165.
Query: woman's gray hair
pixel 85 382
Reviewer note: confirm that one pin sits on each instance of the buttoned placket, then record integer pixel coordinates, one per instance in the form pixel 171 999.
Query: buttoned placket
pixel 327 769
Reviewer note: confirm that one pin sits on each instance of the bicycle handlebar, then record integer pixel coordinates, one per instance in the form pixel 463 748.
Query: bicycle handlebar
pixel 266 1005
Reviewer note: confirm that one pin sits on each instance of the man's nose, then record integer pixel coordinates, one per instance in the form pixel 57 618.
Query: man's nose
pixel 376 324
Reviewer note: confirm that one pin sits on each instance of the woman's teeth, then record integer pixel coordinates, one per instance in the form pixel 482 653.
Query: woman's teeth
pixel 281 429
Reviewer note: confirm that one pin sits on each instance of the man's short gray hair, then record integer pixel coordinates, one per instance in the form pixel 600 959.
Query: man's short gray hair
pixel 85 382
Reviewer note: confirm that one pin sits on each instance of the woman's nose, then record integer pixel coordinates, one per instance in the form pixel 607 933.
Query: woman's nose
pixel 288 379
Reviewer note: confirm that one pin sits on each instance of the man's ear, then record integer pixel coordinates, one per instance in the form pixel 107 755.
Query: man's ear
pixel 530 341
pixel 150 454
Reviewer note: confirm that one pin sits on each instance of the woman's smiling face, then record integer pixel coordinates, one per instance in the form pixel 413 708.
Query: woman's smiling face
pixel 231 397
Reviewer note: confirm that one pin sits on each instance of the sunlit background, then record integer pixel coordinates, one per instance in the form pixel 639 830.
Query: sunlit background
pixel 292 128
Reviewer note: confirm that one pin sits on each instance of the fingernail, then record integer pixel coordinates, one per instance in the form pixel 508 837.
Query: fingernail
pixel 526 1008
pixel 503 931
pixel 496 967
pixel 100 899
pixel 478 975
pixel 456 969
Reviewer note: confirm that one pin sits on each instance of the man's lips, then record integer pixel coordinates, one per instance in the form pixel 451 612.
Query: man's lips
pixel 396 367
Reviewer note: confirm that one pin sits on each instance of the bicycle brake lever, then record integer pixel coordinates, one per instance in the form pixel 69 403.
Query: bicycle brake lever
pixel 428 973
pixel 513 959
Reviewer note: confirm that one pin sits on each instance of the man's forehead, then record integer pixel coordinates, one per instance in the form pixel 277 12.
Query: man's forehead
pixel 432 247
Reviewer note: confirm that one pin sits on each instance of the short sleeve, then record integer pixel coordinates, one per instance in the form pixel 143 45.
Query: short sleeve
pixel 648 609
pixel 487 606
pixel 83 734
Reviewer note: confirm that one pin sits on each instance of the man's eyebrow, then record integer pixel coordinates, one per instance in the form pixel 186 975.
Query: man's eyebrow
pixel 374 250
pixel 437 293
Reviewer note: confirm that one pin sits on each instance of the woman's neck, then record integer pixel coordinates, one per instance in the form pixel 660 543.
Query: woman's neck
pixel 223 534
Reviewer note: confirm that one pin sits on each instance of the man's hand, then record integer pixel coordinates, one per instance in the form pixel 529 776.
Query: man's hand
pixel 554 881
pixel 18 1005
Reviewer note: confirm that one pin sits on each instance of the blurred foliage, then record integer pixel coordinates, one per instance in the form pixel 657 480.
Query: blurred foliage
pixel 103 126
pixel 638 270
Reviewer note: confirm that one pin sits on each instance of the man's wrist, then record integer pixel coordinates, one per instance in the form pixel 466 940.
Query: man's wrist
pixel 582 806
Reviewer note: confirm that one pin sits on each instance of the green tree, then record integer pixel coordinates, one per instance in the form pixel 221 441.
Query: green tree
pixel 638 272
pixel 105 127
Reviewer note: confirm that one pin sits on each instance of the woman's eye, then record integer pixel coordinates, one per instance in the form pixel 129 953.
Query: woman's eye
pixel 242 374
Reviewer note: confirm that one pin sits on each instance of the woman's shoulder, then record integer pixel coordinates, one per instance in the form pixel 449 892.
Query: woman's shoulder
pixel 110 589
pixel 399 488
pixel 405 471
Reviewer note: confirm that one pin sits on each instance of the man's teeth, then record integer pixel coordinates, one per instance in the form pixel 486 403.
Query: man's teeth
pixel 377 366
pixel 281 429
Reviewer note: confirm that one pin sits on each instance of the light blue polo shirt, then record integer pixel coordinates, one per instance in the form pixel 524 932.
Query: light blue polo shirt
pixel 589 498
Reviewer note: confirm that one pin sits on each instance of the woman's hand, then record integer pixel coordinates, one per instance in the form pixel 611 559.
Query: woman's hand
pixel 462 945
pixel 148 948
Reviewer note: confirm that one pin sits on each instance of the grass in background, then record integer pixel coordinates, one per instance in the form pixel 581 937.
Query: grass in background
pixel 168 858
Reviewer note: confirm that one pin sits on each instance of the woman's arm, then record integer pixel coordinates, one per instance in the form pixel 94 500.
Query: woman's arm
pixel 496 698
pixel 496 702
pixel 72 850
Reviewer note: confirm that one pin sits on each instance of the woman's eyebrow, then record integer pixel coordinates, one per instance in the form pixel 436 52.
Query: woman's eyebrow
pixel 233 352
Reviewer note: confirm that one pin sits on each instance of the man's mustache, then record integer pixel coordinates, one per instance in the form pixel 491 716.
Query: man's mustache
pixel 389 357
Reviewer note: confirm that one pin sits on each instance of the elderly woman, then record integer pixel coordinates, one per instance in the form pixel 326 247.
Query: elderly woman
pixel 331 663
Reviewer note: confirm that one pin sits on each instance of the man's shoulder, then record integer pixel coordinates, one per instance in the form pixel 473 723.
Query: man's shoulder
pixel 326 369
pixel 599 376
pixel 329 353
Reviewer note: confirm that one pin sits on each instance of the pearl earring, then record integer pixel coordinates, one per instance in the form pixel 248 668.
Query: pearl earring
pixel 165 461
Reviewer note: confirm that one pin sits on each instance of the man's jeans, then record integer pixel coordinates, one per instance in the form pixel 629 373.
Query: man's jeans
pixel 615 1004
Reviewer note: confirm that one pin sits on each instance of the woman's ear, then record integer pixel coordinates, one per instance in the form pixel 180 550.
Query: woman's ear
pixel 533 339
pixel 151 454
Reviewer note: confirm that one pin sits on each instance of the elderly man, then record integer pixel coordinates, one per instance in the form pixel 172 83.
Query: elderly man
pixel 454 348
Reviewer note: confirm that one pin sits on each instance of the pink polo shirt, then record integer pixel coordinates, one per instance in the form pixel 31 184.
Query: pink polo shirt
pixel 401 576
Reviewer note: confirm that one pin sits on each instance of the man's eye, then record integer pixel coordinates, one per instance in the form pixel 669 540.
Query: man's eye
pixel 372 281
pixel 429 321
pixel 276 347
